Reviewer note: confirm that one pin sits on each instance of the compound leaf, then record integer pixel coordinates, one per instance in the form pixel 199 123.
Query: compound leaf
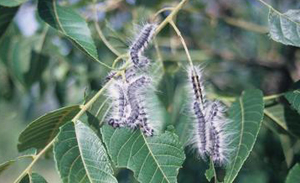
pixel 152 159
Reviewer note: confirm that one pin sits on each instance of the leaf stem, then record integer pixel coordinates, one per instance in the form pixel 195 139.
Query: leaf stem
pixel 35 158
pixel 183 42
pixel 85 107
pixel 170 17
pixel 100 33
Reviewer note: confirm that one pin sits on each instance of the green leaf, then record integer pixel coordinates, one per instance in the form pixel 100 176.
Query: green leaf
pixel 42 130
pixel 26 154
pixel 152 159
pixel 69 23
pixel 38 64
pixel 80 155
pixel 294 174
pixel 6 16
pixel 11 3
pixel 247 115
pixel 33 178
pixel 285 117
pixel 5 165
pixel 209 173
pixel 294 99
pixel 285 28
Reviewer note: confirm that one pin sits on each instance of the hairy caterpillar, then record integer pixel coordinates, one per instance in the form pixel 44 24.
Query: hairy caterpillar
pixel 129 101
pixel 117 94
pixel 140 43
pixel 210 130
pixel 218 137
pixel 138 116
pixel 198 107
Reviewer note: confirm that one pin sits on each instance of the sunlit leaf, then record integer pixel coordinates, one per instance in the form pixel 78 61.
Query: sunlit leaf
pixel 69 23
pixel 247 115
pixel 152 159
pixel 80 155
pixel 11 3
pixel 6 16
pixel 285 28
pixel 42 130
pixel 294 174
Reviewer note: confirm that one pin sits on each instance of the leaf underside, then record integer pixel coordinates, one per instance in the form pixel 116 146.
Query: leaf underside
pixel 80 155
pixel 285 28
pixel 69 23
pixel 152 159
pixel 246 115
pixel 42 130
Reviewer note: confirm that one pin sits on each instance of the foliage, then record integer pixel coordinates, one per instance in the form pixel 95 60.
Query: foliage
pixel 77 43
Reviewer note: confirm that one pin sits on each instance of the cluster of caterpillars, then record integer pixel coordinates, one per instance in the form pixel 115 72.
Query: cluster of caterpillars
pixel 210 123
pixel 128 94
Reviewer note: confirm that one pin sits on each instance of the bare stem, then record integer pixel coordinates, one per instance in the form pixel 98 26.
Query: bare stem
pixel 183 42
pixel 101 35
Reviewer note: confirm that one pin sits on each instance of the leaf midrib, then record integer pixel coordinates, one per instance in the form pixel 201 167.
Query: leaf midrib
pixel 241 135
pixel 82 159
pixel 165 177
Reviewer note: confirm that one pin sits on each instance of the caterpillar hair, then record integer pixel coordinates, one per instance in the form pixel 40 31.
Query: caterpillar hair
pixel 119 102
pixel 200 131
pixel 144 125
pixel 131 72
pixel 197 86
pixel 219 134
pixel 140 43
pixel 132 92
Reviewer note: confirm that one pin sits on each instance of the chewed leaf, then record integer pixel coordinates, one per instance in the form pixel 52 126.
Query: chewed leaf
pixel 80 155
pixel 152 159
pixel 285 28
pixel 247 116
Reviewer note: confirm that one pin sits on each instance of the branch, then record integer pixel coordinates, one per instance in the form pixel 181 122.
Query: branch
pixel 86 106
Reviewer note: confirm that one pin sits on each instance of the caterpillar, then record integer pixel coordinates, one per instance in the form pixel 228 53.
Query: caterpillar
pixel 218 137
pixel 210 129
pixel 119 102
pixel 133 91
pixel 200 130
pixel 140 43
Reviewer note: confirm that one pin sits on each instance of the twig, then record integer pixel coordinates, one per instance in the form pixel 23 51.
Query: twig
pixel 101 35
pixel 85 107
pixel 183 42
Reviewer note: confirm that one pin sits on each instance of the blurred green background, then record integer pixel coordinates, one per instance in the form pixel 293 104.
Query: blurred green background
pixel 229 38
